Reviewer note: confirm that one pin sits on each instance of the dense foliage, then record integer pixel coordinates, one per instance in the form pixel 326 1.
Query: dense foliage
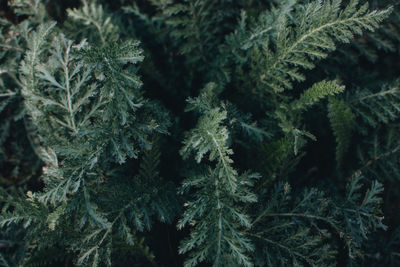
pixel 200 132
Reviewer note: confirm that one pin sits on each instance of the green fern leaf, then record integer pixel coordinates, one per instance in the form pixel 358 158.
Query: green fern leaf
pixel 342 123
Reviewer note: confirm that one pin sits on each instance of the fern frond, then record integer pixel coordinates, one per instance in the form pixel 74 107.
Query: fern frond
pixel 288 114
pixel 93 15
pixel 292 219
pixel 342 123
pixel 361 214
pixel 197 29
pixel 37 40
pixel 195 22
pixel 378 156
pixel 120 88
pixel 260 32
pixel 319 25
pixel 377 107
pixel 318 91
pixel 284 233
pixel 217 223
pixel 153 190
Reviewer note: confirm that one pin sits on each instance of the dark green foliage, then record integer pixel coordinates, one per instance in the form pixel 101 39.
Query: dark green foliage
pixel 13 40
pixel 188 132
pixel 197 28
pixel 381 160
pixel 380 107
pixel 296 46
pixel 303 225
pixel 342 123
pixel 93 18
pixel 214 213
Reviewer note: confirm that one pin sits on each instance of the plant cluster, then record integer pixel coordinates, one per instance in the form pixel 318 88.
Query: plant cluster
pixel 200 132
